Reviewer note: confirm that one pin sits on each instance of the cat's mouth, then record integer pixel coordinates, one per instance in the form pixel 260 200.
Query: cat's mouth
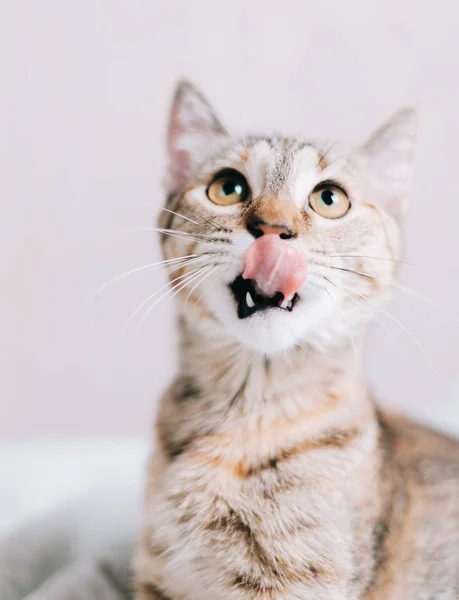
pixel 250 300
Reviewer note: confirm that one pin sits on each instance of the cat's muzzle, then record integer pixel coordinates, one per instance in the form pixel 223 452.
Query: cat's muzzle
pixel 249 299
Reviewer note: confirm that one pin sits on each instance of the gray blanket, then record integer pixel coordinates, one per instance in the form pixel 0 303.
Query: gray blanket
pixel 49 559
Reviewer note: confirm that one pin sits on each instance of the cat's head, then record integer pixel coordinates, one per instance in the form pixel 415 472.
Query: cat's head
pixel 284 242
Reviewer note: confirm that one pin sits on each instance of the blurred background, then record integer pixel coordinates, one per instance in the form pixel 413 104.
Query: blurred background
pixel 84 94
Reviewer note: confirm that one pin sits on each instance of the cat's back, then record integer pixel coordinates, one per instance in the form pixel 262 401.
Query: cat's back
pixel 431 457
pixel 419 545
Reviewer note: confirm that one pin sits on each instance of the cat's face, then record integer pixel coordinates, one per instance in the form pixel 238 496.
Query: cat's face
pixel 288 243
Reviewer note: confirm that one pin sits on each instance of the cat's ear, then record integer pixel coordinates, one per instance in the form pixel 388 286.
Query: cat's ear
pixel 192 132
pixel 388 155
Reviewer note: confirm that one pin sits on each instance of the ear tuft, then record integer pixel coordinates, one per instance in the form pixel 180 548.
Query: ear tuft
pixel 192 133
pixel 389 154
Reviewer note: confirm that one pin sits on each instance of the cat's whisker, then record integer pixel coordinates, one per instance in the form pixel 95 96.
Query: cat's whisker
pixel 215 224
pixel 373 317
pixel 121 279
pixel 400 287
pixel 172 212
pixel 186 235
pixel 199 282
pixel 395 320
pixel 150 266
pixel 139 308
pixel 217 271
pixel 387 259
pixel 173 291
pixel 346 324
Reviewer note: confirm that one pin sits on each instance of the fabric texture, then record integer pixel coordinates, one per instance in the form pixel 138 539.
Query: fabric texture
pixel 68 535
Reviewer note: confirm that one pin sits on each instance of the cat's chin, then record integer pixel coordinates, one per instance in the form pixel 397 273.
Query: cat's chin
pixel 273 330
pixel 268 332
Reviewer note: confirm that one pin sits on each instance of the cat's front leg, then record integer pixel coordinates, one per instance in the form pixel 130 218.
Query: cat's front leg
pixel 147 567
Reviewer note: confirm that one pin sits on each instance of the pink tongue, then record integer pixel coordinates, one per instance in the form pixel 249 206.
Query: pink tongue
pixel 275 265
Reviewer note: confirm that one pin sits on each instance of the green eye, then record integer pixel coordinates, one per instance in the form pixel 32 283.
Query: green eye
pixel 329 201
pixel 228 188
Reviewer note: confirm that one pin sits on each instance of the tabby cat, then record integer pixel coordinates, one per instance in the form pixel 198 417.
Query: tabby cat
pixel 274 475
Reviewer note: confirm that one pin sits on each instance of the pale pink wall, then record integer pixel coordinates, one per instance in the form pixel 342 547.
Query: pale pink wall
pixel 83 94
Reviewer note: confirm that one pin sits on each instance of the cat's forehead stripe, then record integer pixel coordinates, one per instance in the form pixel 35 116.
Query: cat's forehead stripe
pixel 305 173
pixel 274 165
pixel 258 165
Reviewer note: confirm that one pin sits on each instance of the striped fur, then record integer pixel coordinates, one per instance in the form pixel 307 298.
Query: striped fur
pixel 274 476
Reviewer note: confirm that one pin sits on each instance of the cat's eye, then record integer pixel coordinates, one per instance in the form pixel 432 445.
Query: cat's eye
pixel 229 187
pixel 329 201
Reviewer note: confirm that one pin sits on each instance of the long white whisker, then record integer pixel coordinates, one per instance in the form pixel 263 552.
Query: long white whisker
pixel 174 290
pixel 199 282
pixel 179 215
pixel 217 226
pixel 403 288
pixel 172 232
pixel 387 259
pixel 188 237
pixel 134 272
pixel 139 308
pixel 137 270
pixel 405 329
pixel 346 324
pixel 374 318
pixel 200 297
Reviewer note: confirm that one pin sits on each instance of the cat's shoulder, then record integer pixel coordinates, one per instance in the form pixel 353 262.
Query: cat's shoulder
pixel 427 454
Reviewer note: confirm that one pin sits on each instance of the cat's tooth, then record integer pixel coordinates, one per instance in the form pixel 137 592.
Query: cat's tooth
pixel 284 304
pixel 249 300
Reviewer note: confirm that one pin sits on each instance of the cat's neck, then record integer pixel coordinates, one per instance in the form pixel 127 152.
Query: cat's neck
pixel 228 375
pixel 238 398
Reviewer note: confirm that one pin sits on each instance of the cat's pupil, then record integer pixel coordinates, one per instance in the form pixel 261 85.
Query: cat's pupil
pixel 328 197
pixel 231 187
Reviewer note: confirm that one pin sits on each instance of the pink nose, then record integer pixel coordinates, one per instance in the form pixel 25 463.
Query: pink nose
pixel 275 265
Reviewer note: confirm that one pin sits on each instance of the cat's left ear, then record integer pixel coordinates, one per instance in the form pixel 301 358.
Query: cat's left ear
pixel 193 132
pixel 388 155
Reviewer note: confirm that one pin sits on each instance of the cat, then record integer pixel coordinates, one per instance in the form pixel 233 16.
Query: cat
pixel 275 475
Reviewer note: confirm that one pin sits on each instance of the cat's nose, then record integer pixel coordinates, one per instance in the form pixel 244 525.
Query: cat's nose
pixel 258 227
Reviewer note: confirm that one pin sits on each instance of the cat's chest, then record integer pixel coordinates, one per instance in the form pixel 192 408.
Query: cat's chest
pixel 250 531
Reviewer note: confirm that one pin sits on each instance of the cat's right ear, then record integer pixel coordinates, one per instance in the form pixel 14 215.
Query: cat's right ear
pixel 193 131
pixel 388 155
